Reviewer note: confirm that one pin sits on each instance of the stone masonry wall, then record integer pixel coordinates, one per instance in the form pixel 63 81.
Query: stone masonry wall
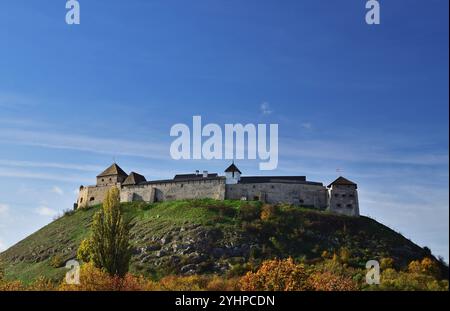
pixel 343 199
pixel 338 199
pixel 179 190
pixel 272 193
pixel 92 195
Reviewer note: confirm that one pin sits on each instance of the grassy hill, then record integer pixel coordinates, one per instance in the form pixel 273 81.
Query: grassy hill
pixel 207 236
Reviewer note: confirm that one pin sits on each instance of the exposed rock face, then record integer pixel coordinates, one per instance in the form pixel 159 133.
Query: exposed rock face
pixel 192 249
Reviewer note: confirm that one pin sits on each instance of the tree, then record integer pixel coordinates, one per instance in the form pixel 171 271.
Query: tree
pixel 110 239
pixel 329 281
pixel 85 250
pixel 276 275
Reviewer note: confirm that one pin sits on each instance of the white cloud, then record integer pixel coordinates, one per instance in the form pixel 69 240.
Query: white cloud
pixel 265 108
pixel 67 166
pixel 4 208
pixel 45 211
pixel 57 190
pixel 86 143
pixel 6 172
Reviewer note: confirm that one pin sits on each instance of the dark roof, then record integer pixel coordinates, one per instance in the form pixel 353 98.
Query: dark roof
pixel 232 168
pixel 342 181
pixel 277 179
pixel 198 178
pixel 114 169
pixel 134 179
pixel 193 176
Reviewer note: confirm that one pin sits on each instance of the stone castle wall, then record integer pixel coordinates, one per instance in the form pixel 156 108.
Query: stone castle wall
pixel 175 190
pixel 339 198
pixel 297 194
pixel 92 195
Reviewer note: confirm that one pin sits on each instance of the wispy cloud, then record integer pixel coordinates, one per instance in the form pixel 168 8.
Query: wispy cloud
pixel 265 108
pixel 14 173
pixel 64 166
pixel 358 151
pixel 45 211
pixel 4 209
pixel 91 144
pixel 57 190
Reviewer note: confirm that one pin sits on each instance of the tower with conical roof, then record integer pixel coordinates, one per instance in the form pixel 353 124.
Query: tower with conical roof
pixel 111 176
pixel 343 197
pixel 232 174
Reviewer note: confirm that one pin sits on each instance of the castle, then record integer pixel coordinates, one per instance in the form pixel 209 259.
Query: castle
pixel 340 196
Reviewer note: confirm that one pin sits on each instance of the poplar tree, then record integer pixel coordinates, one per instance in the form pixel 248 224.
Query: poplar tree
pixel 110 240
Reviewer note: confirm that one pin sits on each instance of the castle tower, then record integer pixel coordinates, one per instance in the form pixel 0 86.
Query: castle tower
pixel 111 176
pixel 232 174
pixel 343 197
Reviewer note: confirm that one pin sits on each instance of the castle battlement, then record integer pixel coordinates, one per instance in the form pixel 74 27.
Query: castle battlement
pixel 340 196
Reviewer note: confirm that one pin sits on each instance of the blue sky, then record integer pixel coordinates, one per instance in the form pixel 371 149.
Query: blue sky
pixel 371 101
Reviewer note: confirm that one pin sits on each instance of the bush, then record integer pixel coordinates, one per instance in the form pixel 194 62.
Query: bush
pixel 276 275
pixel 344 255
pixel 223 210
pixel 42 284
pixel 85 250
pixel 194 283
pixel 239 270
pixel 386 263
pixel 57 261
pixel 11 286
pixel 249 212
pixel 328 281
pixel 96 279
pixel 427 266
pixel 2 272
pixel 268 212
pixel 400 280
pixel 68 212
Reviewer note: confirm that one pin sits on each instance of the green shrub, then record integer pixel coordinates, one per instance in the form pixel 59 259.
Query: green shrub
pixel 249 212
pixel 57 261
pixel 223 210
pixel 85 250
pixel 68 212
pixel 386 263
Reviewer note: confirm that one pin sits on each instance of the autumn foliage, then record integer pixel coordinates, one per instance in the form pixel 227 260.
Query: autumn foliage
pixel 276 275
pixel 272 275
pixel 285 275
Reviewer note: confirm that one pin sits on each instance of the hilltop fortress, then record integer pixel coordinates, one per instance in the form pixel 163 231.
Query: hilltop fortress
pixel 340 196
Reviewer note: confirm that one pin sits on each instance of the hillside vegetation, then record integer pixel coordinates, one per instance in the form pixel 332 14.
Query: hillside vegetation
pixel 202 237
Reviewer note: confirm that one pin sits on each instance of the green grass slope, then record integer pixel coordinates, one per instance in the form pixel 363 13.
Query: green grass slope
pixel 207 236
